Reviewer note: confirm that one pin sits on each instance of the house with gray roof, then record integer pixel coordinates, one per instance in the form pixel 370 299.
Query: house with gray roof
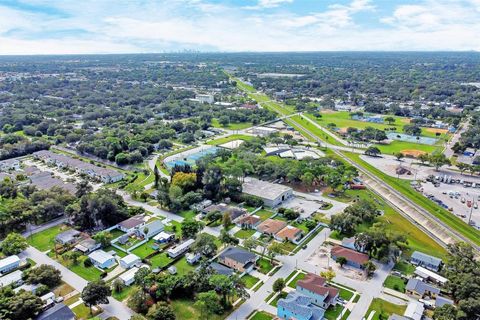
pixel 441 301
pixel 221 269
pixel 298 307
pixel 418 288
pixel 424 260
pixel 58 312
pixel 69 236
pixel 152 228
pixel 238 259
pixel 88 245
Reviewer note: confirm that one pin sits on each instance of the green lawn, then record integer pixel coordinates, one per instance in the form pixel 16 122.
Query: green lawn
pixel 300 276
pixel 145 249
pixel 45 240
pixel 262 315
pixel 124 294
pixel 333 312
pixel 90 273
pixel 395 283
pixel 116 233
pixel 264 266
pixel 185 309
pixel 174 227
pixel 187 214
pixel 183 267
pixel 119 252
pixel 403 186
pixel 231 126
pixel 302 226
pixel 244 233
pixel 404 267
pixel 141 181
pixel 83 312
pixel 249 280
pixel 160 260
pixel 282 295
pixel 229 138
pixel 316 130
pixel 383 309
pixel 263 214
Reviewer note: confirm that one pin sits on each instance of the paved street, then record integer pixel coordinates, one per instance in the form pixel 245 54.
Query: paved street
pixel 114 308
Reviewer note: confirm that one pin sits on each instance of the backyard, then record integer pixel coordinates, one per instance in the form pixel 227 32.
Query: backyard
pixel 395 283
pixel 383 309
pixel 45 240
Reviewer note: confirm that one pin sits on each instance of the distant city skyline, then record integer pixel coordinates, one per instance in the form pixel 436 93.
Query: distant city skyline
pixel 88 26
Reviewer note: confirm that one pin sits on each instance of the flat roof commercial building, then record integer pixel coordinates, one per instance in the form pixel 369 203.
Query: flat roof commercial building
pixel 272 194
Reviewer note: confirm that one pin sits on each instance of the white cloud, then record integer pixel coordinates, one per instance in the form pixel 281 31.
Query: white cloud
pixel 198 24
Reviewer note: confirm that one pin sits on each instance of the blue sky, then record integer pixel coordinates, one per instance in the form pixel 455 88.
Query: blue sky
pixel 128 26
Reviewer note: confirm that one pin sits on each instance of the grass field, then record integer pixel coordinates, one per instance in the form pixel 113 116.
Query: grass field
pixel 333 312
pixel 262 315
pixel 383 309
pixel 145 249
pixel 395 283
pixel 185 309
pixel 249 280
pixel 404 267
pixel 264 214
pixel 293 283
pixel 183 267
pixel 160 260
pixel 316 131
pixel 403 186
pixel 124 294
pixel 90 273
pixel 244 234
pixel 282 295
pixel 229 138
pixel 264 265
pixel 45 240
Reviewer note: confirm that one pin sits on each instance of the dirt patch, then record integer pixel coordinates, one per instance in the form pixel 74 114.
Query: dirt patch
pixel 412 153
pixel 328 111
pixel 321 259
pixel 436 130
pixel 405 120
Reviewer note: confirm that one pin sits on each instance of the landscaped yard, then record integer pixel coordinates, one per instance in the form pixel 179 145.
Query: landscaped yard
pixel 244 233
pixel 262 315
pixel 395 283
pixel 90 273
pixel 145 249
pixel 293 283
pixel 282 295
pixel 264 265
pixel 249 280
pixel 404 267
pixel 344 293
pixel 383 309
pixel 83 312
pixel 183 267
pixel 45 240
pixel 124 294
pixel 264 214
pixel 160 260
pixel 333 312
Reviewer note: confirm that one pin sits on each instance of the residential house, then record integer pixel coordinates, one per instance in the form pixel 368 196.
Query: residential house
pixel 192 258
pixel 289 233
pixel 180 249
pixel 164 237
pixel 424 260
pixel 88 245
pixel 129 261
pixel 223 208
pixel 129 277
pixel 13 278
pixel 431 276
pixel 27 287
pixel 316 288
pixel 67 237
pixel 298 307
pixel 150 229
pixel 221 269
pixel 9 164
pixel 271 226
pixel 238 259
pixel 45 181
pixel 354 258
pixel 132 224
pixel 441 301
pixel 419 289
pixel 272 194
pixel 58 312
pixel 102 259
pixel 9 263
pixel 248 221
pixel 414 310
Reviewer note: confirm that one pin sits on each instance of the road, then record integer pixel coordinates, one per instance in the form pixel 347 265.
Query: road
pixel 113 308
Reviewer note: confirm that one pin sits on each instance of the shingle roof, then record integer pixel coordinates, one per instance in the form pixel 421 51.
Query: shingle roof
pixel 441 301
pixel 100 256
pixel 301 306
pixel 132 222
pixel 317 284
pixel 349 254
pixel 426 258
pixel 271 226
pixel 221 269
pixel 288 232
pixel 58 312
pixel 420 287
pixel 249 219
pixel 67 235
pixel 237 254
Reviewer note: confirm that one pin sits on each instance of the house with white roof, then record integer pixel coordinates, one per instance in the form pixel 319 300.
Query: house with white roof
pixel 151 228
pixel 9 263
pixel 129 277
pixel 129 261
pixel 180 249
pixel 164 237
pixel 102 259
pixel 14 278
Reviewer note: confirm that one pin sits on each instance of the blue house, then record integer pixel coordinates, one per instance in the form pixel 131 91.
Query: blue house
pixel 316 288
pixel 102 259
pixel 424 260
pixel 298 307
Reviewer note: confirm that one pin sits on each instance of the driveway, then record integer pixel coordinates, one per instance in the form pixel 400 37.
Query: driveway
pixel 114 308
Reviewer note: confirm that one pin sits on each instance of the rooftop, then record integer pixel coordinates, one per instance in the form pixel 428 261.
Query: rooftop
pixel 9 260
pixel 100 256
pixel 317 284
pixel 238 254
pixel 271 226
pixel 425 273
pixel 426 258
pixel 132 222
pixel 67 235
pixel 349 254
pixel 58 312
pixel 131 258
pixel 264 189
pixel 288 232
pixel 301 306
pixel 420 287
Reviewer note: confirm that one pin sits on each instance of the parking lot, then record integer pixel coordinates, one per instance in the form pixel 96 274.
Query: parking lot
pixel 458 199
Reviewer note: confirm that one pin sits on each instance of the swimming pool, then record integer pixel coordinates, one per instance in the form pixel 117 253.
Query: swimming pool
pixel 409 138
pixel 191 158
